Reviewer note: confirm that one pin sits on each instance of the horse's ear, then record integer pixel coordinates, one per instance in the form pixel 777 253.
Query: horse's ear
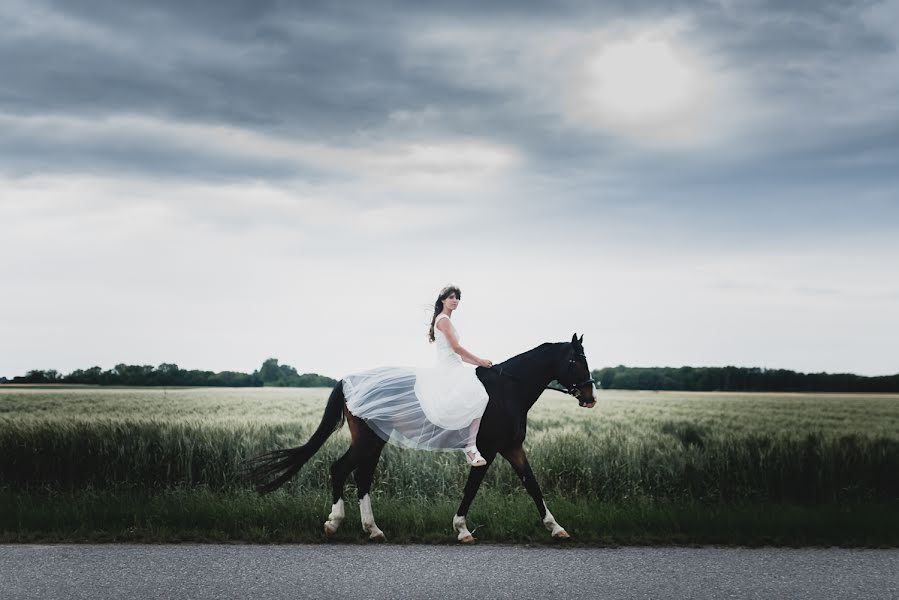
pixel 574 338
pixel 581 341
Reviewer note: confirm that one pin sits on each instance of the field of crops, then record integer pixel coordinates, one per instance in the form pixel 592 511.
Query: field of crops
pixel 692 453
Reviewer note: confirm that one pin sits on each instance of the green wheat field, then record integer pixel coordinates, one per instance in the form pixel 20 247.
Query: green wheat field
pixel 152 464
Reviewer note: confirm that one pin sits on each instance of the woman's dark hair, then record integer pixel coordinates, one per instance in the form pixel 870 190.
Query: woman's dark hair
pixel 438 306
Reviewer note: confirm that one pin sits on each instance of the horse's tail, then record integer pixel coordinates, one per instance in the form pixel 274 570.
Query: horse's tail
pixel 271 470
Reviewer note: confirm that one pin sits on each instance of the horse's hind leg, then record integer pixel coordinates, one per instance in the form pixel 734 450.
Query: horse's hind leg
pixel 342 467
pixel 365 473
pixel 340 470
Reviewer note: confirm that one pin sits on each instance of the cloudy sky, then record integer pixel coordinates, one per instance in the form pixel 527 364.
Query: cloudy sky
pixel 215 183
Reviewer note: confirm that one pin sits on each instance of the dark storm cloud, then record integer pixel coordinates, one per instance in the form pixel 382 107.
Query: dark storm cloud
pixel 152 154
pixel 28 151
pixel 262 66
pixel 322 75
pixel 336 72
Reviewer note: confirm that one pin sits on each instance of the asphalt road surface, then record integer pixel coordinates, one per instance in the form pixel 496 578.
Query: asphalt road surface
pixel 359 572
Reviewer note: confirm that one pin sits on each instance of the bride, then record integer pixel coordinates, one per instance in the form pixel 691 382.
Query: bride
pixel 432 408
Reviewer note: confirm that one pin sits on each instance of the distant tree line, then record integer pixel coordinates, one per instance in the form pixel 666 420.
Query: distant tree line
pixel 738 379
pixel 167 374
pixel 697 379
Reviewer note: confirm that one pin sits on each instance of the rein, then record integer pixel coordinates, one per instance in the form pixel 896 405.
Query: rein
pixel 570 388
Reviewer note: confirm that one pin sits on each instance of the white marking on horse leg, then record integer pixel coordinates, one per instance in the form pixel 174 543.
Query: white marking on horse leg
pixel 335 518
pixel 368 520
pixel 461 528
pixel 549 521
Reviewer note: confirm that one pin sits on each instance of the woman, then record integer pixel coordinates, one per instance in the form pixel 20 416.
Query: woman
pixel 435 408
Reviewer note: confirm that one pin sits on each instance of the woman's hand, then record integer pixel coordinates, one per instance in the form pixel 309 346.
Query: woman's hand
pixel 485 363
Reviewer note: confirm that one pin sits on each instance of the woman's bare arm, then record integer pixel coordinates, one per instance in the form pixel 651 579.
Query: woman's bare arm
pixel 444 326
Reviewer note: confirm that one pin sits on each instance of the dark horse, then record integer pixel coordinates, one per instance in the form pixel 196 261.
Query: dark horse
pixel 513 387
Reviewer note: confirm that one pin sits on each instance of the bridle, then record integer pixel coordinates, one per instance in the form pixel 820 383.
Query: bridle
pixel 570 388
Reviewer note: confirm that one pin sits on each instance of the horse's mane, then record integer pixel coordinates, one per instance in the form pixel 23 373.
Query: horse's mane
pixel 528 355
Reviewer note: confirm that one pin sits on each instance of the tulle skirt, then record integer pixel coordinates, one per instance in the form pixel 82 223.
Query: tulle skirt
pixel 427 408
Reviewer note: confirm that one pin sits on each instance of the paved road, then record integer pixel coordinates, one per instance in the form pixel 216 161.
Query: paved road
pixel 360 572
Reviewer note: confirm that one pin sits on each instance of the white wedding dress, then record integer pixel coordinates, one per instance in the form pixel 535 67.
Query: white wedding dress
pixel 428 408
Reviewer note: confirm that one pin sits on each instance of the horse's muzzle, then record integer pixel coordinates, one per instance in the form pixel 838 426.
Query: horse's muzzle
pixel 587 404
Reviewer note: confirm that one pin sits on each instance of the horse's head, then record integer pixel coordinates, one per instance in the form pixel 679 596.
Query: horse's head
pixel 574 373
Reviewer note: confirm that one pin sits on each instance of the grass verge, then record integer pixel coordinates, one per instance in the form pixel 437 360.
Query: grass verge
pixel 198 515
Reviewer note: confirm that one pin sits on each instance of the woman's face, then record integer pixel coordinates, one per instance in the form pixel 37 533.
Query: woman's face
pixel 451 302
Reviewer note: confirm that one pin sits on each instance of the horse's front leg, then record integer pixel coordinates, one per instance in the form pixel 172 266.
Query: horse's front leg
pixel 475 477
pixel 519 462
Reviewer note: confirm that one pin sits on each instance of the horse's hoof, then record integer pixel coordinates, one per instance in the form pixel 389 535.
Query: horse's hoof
pixel 377 537
pixel 468 539
pixel 330 529
pixel 561 535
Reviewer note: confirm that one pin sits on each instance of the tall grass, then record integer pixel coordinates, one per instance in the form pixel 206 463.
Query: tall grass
pixel 711 448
